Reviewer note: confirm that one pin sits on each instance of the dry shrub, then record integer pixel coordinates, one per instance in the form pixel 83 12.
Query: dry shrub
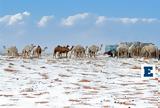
pixel 44 76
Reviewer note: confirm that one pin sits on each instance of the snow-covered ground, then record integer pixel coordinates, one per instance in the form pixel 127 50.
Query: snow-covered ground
pixel 77 83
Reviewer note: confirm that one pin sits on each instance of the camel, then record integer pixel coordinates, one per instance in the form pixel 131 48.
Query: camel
pixel 60 50
pixel 79 51
pixel 37 51
pixel 149 51
pixel 134 49
pixel 93 50
pixel 26 52
pixel 12 51
pixel 122 50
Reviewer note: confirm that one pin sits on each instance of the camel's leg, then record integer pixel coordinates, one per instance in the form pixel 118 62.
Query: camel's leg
pixel 70 54
pixel 118 54
pixel 54 54
pixel 66 55
pixel 94 55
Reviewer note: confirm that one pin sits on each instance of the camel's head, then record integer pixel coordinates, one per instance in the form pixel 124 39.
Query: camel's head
pixel 67 46
pixel 38 46
pixel 58 46
pixel 86 47
pixel 72 47
pixel 32 45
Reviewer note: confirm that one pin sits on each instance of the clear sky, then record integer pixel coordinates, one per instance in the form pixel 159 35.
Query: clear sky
pixel 52 22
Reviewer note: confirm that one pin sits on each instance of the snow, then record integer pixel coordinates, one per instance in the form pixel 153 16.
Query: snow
pixel 81 83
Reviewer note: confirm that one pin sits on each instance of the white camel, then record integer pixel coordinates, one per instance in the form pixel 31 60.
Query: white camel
pixel 78 51
pixel 122 50
pixel 11 51
pixel 26 52
pixel 93 50
pixel 150 51
pixel 134 49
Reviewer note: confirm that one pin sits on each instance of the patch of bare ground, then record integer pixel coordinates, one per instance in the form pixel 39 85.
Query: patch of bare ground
pixel 103 87
pixel 136 67
pixel 123 84
pixel 11 64
pixel 43 67
pixel 42 102
pixel 106 106
pixel 24 94
pixel 51 61
pixel 151 99
pixel 67 93
pixel 66 107
pixel 9 59
pixel 44 75
pixel 10 70
pixel 61 75
pixel 98 65
pixel 14 99
pixel 89 87
pixel 30 96
pixel 7 95
pixel 125 102
pixel 76 84
pixel 140 83
pixel 26 61
pixel 42 93
pixel 68 70
pixel 9 105
pixel 84 103
pixel 139 89
pixel 57 80
pixel 74 100
pixel 125 63
pixel 27 90
pixel 155 79
pixel 22 65
pixel 86 98
pixel 138 93
pixel 84 80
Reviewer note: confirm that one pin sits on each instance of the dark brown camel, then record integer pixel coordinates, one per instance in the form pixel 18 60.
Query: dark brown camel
pixel 60 50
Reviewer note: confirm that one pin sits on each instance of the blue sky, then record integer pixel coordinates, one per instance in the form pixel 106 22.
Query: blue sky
pixel 52 22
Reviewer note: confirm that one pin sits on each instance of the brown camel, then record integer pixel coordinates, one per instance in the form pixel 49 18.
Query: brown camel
pixel 60 50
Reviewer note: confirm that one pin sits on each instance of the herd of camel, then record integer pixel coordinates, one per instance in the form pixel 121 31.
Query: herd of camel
pixel 135 49
pixel 123 49
pixel 58 52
